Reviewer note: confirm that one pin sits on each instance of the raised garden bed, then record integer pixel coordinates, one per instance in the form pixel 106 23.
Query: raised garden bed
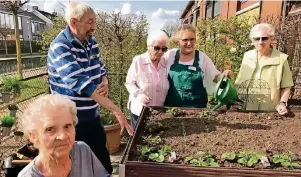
pixel 213 144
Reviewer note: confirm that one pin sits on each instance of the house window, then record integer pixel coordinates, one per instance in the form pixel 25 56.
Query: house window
pixel 209 7
pixel 12 24
pixel 213 8
pixel 7 21
pixel 20 23
pixel 2 19
pixel 217 8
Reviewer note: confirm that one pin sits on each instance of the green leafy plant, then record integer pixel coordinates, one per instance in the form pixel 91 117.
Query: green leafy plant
pixel 175 112
pixel 286 160
pixel 206 113
pixel 152 140
pixel 201 159
pixel 154 127
pixel 154 154
pixel 161 155
pixel 12 84
pixel 108 119
pixel 8 121
pixel 249 158
pixel 229 156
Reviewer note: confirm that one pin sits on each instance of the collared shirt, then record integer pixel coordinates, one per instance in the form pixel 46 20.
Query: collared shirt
pixel 75 71
pixel 209 71
pixel 144 78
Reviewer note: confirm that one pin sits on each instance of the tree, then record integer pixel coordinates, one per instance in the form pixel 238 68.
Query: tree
pixel 5 31
pixel 171 26
pixel 48 35
pixel 120 38
pixel 14 7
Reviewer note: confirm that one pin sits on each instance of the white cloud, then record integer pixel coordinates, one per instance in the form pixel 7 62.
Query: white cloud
pixel 138 13
pixel 116 10
pixel 165 14
pixel 126 8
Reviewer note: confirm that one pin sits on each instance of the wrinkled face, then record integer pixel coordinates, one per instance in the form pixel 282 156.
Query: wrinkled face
pixel 85 27
pixel 55 133
pixel 261 40
pixel 157 50
pixel 186 41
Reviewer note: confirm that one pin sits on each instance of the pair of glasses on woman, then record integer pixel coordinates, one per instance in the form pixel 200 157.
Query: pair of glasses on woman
pixel 163 49
pixel 261 38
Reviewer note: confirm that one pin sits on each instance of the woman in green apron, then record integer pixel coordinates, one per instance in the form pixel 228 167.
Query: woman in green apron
pixel 191 72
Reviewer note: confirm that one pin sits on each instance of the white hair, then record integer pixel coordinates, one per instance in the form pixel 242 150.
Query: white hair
pixel 31 116
pixel 76 10
pixel 157 35
pixel 270 29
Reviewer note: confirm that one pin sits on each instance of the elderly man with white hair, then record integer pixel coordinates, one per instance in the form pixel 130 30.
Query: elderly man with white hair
pixel 76 71
pixel 49 122
pixel 146 79
pixel 269 65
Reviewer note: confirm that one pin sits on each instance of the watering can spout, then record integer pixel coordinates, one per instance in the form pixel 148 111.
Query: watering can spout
pixel 220 104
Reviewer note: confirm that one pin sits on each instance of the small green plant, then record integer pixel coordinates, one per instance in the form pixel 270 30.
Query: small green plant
pixel 175 112
pixel 12 84
pixel 145 150
pixel 8 121
pixel 152 140
pixel 286 160
pixel 229 156
pixel 206 113
pixel 249 158
pixel 154 127
pixel 201 159
pixel 108 120
pixel 161 155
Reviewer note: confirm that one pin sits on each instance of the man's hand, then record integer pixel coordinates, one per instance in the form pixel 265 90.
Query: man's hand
pixel 123 123
pixel 228 73
pixel 103 89
pixel 281 108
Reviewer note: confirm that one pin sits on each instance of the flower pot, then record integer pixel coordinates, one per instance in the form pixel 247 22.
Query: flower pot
pixel 6 131
pixel 6 97
pixel 18 136
pixel 113 137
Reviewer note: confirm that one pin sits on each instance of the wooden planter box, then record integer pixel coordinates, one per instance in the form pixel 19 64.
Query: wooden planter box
pixel 129 168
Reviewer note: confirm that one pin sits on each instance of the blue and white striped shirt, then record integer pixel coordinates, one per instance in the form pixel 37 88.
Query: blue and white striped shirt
pixel 75 70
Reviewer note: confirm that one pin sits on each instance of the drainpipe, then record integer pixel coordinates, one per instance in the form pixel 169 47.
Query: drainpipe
pixel 228 10
pixel 284 4
pixel 260 9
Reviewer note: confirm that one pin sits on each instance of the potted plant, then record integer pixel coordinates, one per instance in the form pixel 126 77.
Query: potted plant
pixel 12 85
pixel 112 129
pixel 13 108
pixel 7 122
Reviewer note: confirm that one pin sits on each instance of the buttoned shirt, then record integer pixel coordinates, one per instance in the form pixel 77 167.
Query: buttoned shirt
pixel 144 78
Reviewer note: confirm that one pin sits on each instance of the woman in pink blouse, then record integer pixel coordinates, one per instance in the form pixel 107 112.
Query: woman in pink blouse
pixel 146 79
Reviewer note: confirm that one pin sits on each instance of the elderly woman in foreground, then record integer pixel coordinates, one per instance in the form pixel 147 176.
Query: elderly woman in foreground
pixel 49 124
pixel 269 65
pixel 146 79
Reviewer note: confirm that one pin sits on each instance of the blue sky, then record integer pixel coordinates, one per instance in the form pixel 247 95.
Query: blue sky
pixel 157 12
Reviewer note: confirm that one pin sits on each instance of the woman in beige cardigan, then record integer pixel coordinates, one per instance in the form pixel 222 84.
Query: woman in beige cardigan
pixel 269 65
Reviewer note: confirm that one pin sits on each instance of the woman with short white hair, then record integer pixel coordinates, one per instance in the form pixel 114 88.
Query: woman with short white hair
pixel 49 123
pixel 267 65
pixel 146 79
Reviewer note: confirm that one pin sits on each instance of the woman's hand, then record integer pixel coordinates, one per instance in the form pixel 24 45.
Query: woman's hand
pixel 144 99
pixel 281 108
pixel 228 73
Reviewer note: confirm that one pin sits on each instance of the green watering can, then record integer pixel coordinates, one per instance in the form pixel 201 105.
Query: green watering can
pixel 225 93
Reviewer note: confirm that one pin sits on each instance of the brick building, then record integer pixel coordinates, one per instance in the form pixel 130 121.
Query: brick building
pixel 202 9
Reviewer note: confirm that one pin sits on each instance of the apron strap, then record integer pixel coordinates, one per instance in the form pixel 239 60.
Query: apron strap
pixel 196 58
pixel 177 57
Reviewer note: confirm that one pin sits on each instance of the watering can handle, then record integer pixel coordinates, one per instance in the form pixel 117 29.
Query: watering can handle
pixel 222 77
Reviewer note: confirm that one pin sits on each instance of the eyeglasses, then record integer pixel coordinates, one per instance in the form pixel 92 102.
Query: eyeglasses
pixel 261 38
pixel 163 49
pixel 192 40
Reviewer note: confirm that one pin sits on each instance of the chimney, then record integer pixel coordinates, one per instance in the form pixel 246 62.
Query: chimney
pixel 35 7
